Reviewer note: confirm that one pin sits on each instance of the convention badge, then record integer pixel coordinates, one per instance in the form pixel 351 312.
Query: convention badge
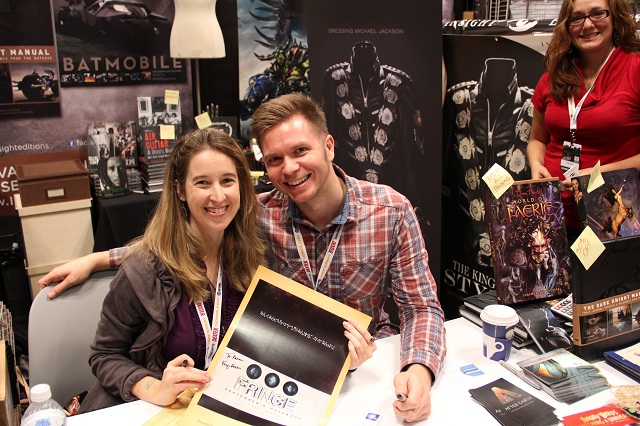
pixel 572 172
pixel 203 121
pixel 587 247
pixel 570 155
pixel 167 131
pixel 498 180
pixel 171 97
pixel 595 179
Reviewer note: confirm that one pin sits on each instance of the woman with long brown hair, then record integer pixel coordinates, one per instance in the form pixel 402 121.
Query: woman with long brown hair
pixel 587 104
pixel 181 283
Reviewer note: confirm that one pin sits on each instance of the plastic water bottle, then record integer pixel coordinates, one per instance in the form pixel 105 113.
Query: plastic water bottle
pixel 43 411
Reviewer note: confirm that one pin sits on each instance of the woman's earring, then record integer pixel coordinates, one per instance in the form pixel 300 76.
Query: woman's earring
pixel 616 37
pixel 184 210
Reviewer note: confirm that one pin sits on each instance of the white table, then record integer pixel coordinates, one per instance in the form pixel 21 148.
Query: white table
pixel 370 388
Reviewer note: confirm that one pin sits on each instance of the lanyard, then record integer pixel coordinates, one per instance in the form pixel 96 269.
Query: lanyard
pixel 211 331
pixel 328 257
pixel 574 109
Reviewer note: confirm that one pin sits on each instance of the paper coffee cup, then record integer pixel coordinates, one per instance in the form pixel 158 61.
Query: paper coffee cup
pixel 498 323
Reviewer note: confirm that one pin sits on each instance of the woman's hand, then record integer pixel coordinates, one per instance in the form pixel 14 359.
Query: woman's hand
pixel 361 343
pixel 176 378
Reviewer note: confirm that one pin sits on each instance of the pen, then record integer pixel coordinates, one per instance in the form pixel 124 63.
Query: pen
pixel 185 363
pixel 520 374
pixel 401 397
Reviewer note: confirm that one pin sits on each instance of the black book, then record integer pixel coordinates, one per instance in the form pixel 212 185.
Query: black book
pixel 513 406
pixel 606 299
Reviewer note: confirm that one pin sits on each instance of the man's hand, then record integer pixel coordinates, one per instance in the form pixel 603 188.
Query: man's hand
pixel 72 273
pixel 415 384
pixel 361 343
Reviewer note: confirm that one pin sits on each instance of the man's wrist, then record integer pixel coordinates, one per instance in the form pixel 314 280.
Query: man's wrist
pixel 414 366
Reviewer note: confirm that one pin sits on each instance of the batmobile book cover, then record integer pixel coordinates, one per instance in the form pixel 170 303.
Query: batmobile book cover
pixel 283 360
pixel 529 245
pixel 610 210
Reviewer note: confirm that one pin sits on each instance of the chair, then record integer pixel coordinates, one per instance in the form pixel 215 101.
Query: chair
pixel 60 334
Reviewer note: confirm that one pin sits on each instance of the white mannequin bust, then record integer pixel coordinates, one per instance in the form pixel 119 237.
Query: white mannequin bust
pixel 196 32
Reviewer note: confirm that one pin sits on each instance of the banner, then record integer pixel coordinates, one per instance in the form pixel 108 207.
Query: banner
pixel 116 42
pixel 273 54
pixel 487 119
pixel 375 69
pixel 28 64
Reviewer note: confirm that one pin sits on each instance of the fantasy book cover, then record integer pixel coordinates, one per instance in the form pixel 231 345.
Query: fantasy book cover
pixel 529 247
pixel 609 210
pixel 153 112
pixel 112 139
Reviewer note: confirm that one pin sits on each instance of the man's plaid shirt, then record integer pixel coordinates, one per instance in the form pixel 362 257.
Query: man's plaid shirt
pixel 381 248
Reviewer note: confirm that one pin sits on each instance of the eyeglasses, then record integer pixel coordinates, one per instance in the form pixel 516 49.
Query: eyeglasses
pixel 598 15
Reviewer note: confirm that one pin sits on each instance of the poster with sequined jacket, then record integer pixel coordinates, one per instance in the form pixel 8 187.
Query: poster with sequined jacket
pixel 529 246
pixel 375 69
pixel 487 116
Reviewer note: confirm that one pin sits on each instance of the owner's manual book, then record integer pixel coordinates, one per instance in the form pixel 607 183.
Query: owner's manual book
pixel 283 360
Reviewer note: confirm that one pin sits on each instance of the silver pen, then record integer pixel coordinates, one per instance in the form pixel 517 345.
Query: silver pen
pixel 520 374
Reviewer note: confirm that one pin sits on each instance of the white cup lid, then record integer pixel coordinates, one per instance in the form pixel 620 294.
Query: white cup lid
pixel 499 315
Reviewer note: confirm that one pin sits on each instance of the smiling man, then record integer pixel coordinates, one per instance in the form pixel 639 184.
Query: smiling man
pixel 349 239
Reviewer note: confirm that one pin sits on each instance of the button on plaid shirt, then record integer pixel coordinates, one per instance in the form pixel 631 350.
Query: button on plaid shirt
pixel 381 248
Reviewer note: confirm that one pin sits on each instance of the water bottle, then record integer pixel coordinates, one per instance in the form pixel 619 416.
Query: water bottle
pixel 43 411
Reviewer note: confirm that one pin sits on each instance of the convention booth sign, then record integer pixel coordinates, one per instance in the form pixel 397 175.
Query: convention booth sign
pixel 387 129
pixel 492 70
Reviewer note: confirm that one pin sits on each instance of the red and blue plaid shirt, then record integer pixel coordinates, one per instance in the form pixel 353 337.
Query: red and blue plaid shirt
pixel 381 248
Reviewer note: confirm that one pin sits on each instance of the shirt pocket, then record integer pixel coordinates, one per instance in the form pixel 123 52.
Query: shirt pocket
pixel 363 284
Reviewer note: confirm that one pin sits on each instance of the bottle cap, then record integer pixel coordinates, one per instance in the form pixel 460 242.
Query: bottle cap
pixel 40 393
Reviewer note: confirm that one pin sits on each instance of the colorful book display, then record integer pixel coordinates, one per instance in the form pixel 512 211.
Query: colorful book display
pixel 529 245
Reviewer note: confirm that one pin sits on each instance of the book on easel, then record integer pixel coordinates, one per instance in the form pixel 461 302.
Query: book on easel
pixel 610 209
pixel 529 247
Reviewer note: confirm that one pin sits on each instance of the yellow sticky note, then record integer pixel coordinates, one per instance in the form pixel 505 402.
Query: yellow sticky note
pixel 498 180
pixel 595 179
pixel 203 121
pixel 167 131
pixel 587 247
pixel 171 97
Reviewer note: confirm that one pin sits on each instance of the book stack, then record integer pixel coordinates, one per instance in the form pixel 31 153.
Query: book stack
pixel 626 360
pixel 151 175
pixel 473 305
pixel 565 376
pixel 135 180
pixel 154 116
